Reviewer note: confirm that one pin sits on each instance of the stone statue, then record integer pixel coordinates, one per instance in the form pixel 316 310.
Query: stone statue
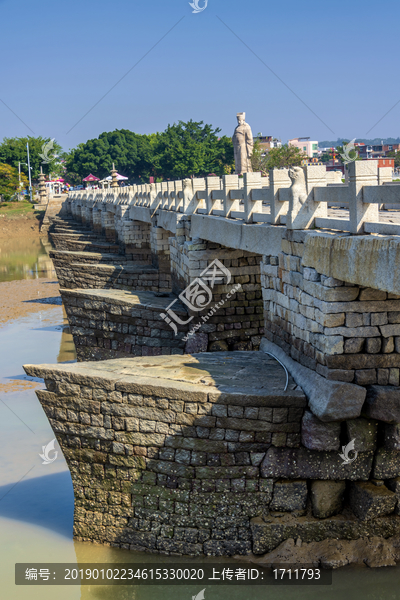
pixel 298 214
pixel 298 188
pixel 242 145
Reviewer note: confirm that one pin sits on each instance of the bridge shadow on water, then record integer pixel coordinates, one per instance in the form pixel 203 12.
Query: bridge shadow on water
pixel 46 501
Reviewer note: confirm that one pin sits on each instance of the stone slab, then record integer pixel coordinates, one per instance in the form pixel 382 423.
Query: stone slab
pixel 369 501
pixel 301 463
pixel 328 400
pixel 269 533
pixel 237 374
pixel 261 239
pixel 383 403
pixel 343 257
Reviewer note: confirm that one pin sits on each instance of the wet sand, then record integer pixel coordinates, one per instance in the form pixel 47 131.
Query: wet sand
pixel 21 298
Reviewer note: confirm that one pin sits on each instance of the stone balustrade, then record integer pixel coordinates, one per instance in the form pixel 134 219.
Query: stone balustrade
pixel 298 198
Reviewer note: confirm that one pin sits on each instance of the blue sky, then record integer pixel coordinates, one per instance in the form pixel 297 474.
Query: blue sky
pixel 58 60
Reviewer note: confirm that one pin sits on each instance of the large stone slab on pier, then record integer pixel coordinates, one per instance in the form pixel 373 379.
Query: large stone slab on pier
pixel 241 378
pixel 176 440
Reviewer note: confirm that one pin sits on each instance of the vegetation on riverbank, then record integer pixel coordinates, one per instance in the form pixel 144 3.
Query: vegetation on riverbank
pixel 20 209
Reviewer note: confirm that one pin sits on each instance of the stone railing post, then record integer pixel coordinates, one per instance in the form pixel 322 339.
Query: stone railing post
pixel 154 199
pixel 361 173
pixel 384 175
pixel 187 196
pixel 178 195
pixel 212 184
pixel 302 208
pixel 230 183
pixel 253 195
pixel 171 195
pixel 164 195
pixel 278 178
pixel 134 197
pixel 199 193
pixel 140 194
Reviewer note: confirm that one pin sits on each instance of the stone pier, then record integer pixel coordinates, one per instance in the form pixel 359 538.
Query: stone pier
pixel 238 377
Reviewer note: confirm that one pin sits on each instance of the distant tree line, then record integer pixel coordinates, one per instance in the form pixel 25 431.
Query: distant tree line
pixel 189 149
pixel 367 142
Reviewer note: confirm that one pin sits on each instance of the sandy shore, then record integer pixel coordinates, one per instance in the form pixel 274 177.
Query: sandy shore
pixel 27 226
pixel 21 298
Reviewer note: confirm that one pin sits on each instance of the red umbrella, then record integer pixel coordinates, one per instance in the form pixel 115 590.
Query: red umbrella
pixel 91 178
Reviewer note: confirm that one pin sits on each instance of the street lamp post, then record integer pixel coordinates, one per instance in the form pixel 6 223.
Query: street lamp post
pixel 19 182
pixel 29 171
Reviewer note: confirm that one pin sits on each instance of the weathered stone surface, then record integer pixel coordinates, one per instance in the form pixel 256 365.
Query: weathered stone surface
pixel 344 258
pixel 317 435
pixel 328 343
pixel 373 345
pixel 197 343
pixel 390 330
pixel 327 498
pixel 289 496
pixel 392 436
pixel 218 346
pixel 371 294
pixel 226 548
pixel 301 463
pixel 269 532
pixel 386 464
pixel 368 501
pixel 331 554
pixel 394 486
pixel 387 345
pixel 365 377
pixel 363 361
pixel 383 403
pixel 364 432
pixel 353 345
pixel 328 400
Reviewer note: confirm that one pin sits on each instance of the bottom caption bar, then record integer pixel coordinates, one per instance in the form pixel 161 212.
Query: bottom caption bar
pixel 179 574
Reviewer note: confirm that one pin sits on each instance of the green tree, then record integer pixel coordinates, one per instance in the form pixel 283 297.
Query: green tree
pixel 13 151
pixel 193 149
pixel 9 182
pixel 341 152
pixel 275 158
pixel 130 152
pixel 396 156
pixel 182 150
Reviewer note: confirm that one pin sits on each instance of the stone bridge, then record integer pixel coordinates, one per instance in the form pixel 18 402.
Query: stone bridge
pixel 248 329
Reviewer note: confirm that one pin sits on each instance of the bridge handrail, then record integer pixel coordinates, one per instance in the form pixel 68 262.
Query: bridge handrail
pixel 300 201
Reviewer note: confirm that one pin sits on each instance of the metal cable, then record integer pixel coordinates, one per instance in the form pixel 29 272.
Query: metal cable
pixel 283 366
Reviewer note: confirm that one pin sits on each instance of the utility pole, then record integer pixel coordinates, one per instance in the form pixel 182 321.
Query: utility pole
pixel 19 182
pixel 29 171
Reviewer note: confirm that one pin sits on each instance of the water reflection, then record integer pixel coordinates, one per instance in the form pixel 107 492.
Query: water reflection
pixel 25 258
pixel 36 500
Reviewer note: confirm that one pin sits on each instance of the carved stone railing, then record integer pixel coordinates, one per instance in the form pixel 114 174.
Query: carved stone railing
pixel 297 198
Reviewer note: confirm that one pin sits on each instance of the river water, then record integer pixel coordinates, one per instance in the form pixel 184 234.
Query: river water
pixel 36 499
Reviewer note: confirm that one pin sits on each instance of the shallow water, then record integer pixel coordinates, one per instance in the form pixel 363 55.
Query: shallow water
pixel 25 258
pixel 36 500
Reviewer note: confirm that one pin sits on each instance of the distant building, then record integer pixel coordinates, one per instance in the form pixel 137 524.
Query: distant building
pixel 308 146
pixel 377 150
pixel 267 142
pixel 386 162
